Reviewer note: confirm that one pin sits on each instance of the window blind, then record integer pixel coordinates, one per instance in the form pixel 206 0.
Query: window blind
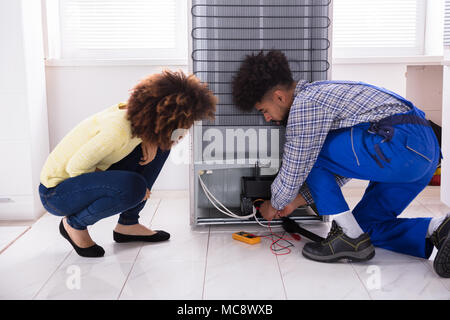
pixel 447 23
pixel 105 29
pixel 378 27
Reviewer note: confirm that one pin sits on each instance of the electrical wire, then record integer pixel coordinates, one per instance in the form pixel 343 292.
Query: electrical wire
pixel 226 211
pixel 275 243
pixel 229 213
pixel 275 246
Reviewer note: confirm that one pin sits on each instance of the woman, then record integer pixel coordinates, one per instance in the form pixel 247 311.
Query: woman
pixel 108 163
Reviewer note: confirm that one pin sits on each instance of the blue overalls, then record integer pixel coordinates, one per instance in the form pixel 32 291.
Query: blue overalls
pixel 399 155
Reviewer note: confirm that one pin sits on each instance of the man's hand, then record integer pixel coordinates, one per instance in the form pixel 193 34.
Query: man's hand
pixel 148 153
pixel 297 202
pixel 267 211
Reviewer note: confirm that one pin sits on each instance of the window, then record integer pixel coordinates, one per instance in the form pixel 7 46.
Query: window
pixel 117 29
pixel 364 28
pixel 447 23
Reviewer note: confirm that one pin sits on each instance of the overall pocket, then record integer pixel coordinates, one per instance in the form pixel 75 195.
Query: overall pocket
pixel 420 147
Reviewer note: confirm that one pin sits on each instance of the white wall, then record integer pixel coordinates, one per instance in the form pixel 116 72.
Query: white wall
pixel 445 174
pixel 388 75
pixel 424 88
pixel 434 31
pixel 76 92
pixel 23 124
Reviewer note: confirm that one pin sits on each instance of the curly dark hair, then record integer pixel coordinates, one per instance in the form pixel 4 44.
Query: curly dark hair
pixel 257 75
pixel 165 102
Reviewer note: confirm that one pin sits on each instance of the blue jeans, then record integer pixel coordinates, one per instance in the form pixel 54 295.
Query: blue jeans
pixel 90 197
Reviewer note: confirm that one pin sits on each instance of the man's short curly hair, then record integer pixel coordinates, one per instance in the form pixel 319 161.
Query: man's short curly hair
pixel 165 102
pixel 257 75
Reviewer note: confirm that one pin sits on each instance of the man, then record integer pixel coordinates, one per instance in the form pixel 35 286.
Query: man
pixel 337 130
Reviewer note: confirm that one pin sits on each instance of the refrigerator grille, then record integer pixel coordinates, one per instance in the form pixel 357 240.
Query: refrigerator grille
pixel 225 31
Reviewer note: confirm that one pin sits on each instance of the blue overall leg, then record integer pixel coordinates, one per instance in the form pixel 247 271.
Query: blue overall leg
pixel 399 169
pixel 404 235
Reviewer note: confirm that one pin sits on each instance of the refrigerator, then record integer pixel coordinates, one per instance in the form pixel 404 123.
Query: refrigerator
pixel 236 147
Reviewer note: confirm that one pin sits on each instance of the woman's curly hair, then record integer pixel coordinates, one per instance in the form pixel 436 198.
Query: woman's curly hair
pixel 257 75
pixel 165 102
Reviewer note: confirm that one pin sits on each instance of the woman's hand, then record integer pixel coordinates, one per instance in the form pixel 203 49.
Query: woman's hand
pixel 148 153
pixel 147 194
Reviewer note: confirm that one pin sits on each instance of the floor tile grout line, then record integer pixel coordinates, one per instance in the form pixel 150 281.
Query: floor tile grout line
pixel 427 200
pixel 424 261
pixel 360 280
pixel 139 251
pixel 156 211
pixel 427 209
pixel 23 233
pixel 129 273
pixel 206 263
pixel 431 269
pixel 282 278
pixel 14 240
pixel 52 274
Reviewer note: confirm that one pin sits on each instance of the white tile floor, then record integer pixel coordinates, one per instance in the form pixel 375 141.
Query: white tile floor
pixel 205 262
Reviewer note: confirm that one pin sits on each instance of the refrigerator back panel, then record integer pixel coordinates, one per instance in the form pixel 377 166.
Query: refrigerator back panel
pixel 230 146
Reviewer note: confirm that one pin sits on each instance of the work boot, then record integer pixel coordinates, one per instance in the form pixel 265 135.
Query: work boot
pixel 441 240
pixel 338 245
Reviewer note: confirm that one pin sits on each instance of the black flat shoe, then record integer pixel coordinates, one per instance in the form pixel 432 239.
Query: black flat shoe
pixel 157 237
pixel 94 251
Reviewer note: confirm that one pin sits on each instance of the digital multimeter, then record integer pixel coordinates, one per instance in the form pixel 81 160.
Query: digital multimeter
pixel 246 237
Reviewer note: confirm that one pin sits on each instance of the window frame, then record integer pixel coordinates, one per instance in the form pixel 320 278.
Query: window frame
pixel 54 51
pixel 388 52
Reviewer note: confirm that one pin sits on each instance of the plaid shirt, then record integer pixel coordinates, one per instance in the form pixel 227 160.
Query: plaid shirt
pixel 318 108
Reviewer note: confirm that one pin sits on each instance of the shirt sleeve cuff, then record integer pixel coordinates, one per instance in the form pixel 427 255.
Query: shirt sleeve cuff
pixel 276 205
pixel 306 194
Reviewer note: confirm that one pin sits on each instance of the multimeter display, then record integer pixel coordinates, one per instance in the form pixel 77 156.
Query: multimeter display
pixel 246 237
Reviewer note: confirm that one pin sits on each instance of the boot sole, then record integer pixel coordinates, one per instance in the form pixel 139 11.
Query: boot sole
pixel 363 255
pixel 441 263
